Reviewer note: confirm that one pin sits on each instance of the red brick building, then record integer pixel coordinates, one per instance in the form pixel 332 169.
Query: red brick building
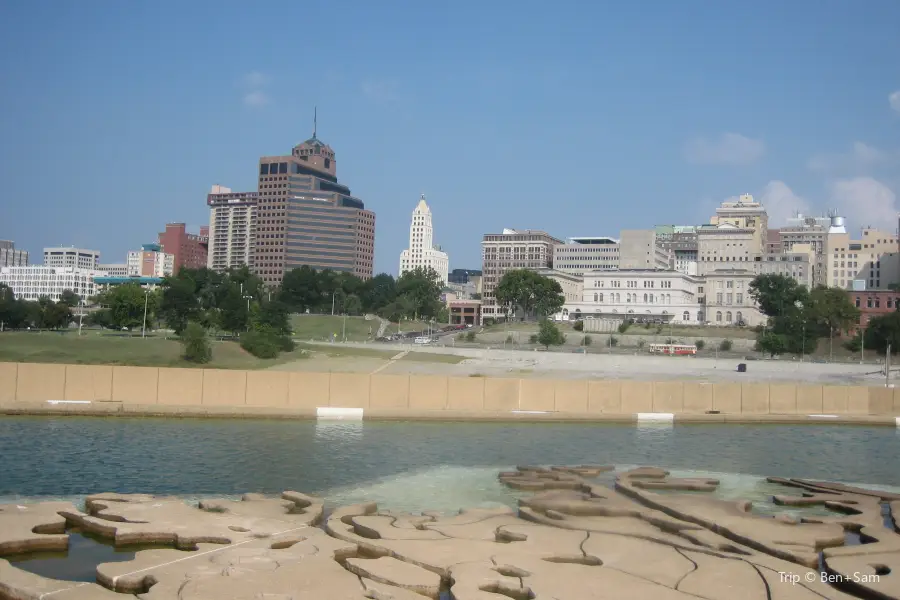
pixel 873 303
pixel 189 249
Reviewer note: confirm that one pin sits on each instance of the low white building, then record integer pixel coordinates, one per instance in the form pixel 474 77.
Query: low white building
pixel 33 282
pixel 422 252
pixel 79 258
pixel 114 269
pixel 665 296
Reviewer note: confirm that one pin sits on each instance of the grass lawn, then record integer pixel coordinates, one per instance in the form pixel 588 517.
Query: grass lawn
pixel 94 348
pixel 339 351
pixel 322 327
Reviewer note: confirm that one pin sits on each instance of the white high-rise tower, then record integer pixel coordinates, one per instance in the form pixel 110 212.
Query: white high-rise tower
pixel 422 252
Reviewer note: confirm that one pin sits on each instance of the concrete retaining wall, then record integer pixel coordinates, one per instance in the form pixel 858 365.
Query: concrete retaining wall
pixel 27 386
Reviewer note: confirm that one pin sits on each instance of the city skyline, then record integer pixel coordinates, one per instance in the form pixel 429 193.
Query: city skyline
pixel 667 112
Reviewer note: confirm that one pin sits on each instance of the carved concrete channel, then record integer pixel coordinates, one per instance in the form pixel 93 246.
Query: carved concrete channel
pixel 578 533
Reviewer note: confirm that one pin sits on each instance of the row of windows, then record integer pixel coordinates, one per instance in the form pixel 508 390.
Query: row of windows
pixel 635 298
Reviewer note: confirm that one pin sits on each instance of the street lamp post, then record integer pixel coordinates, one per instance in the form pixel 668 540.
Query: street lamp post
pixel 144 325
pixel 799 306
pixel 81 316
pixel 344 329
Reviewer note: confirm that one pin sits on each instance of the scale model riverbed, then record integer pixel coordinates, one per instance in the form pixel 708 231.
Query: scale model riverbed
pixel 649 537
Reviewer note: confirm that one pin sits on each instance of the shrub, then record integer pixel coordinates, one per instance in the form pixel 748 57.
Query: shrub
pixel 613 341
pixel 670 340
pixel 509 339
pixel 533 338
pixel 260 344
pixel 641 344
pixel 700 344
pixel 196 344
pixel 854 344
pixel 587 340
pixel 726 345
pixel 470 336
pixel 550 335
pixel 623 327
pixel 578 326
pixel 658 329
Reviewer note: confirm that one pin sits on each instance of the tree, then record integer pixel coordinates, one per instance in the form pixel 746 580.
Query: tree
pixel 771 343
pixel 422 288
pixel 777 295
pixel 13 313
pixel 831 310
pixel 549 334
pixel 196 344
pixel 57 315
pixel 379 292
pixel 233 313
pixel 69 298
pixel 126 305
pixel 882 331
pixel 300 289
pixel 180 303
pixel 273 316
pixel 352 305
pixel 530 292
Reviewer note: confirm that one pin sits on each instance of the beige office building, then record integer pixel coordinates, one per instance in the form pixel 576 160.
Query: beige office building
pixel 232 228
pixel 512 249
pixel 10 257
pixel 745 213
pixel 639 249
pixel 869 263
pixel 581 254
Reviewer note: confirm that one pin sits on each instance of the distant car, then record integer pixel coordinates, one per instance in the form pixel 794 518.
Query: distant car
pixel 423 339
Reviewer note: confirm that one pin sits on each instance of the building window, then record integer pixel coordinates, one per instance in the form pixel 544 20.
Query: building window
pixel 718 316
pixel 700 316
pixel 728 316
pixel 740 317
pixel 686 316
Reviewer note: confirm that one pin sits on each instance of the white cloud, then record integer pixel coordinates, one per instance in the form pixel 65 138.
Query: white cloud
pixel 727 149
pixel 256 99
pixel 894 99
pixel 255 79
pixel 866 201
pixel 861 158
pixel 782 203
pixel 381 90
pixel 253 83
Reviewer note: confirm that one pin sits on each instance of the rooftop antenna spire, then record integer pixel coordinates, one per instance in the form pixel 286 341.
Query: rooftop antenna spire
pixel 315 120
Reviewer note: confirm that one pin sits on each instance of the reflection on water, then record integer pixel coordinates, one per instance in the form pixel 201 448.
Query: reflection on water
pixel 410 466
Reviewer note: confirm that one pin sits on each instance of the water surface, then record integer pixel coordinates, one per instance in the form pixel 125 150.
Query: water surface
pixel 408 465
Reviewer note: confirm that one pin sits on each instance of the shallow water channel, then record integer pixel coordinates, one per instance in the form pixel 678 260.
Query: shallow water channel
pixel 410 466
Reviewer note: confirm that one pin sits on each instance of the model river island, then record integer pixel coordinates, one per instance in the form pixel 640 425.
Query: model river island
pixel 647 535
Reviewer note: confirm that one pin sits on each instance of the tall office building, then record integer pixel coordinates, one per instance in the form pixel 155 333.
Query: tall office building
pixel 422 252
pixel 232 228
pixel 189 249
pixel 10 257
pixel 502 252
pixel 78 258
pixel 305 217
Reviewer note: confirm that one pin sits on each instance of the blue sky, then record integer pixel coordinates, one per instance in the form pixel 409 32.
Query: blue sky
pixel 581 119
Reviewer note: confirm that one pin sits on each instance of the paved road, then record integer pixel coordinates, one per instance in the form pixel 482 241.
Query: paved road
pixel 562 365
